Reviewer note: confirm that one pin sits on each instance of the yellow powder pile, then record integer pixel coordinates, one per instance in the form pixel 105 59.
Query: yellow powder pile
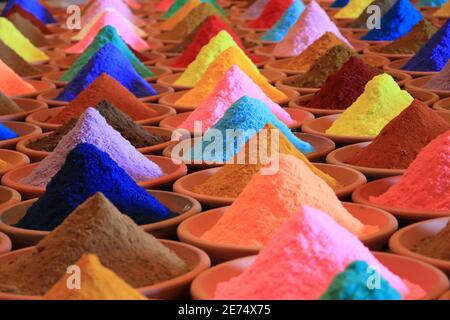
pixel 217 70
pixel 381 101
pixel 180 15
pixel 18 43
pixel 231 180
pixel 306 59
pixel 96 283
pixel 353 9
pixel 443 11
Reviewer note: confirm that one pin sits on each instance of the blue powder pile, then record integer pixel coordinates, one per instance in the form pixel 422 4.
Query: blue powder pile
pixel 250 116
pixel 6 133
pixel 352 284
pixel 434 54
pixel 289 18
pixel 88 170
pixel 398 21
pixel 339 3
pixel 107 60
pixel 431 3
pixel 33 7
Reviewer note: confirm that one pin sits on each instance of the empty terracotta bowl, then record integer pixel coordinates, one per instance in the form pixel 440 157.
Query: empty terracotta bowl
pixel 13 159
pixel 23 130
pixel 5 244
pixel 8 197
pixel 398 64
pixel 375 188
pixel 420 85
pixel 40 86
pixel 28 105
pixel 432 280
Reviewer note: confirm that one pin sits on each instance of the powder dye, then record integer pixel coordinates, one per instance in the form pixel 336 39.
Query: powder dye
pixel 381 101
pixel 440 81
pixel 431 3
pixel 179 4
pixel 272 12
pixel 107 60
pixel 287 20
pixel 164 5
pixel 397 22
pixel 365 16
pixel 310 249
pixel 231 87
pixel 96 283
pixel 25 14
pixel 443 11
pixel 99 228
pixel 351 284
pixel 426 183
pixel 8 106
pixel 230 57
pixel 49 142
pixel 105 87
pixel 170 23
pixel 339 3
pixel 342 88
pixel 401 140
pixel 11 83
pixel 33 7
pixel 436 246
pixel 434 54
pixel 6 133
pixel 255 10
pixel 21 45
pixel 16 62
pixel 411 42
pixel 27 28
pixel 95 7
pixel 311 25
pixel 325 66
pixel 353 9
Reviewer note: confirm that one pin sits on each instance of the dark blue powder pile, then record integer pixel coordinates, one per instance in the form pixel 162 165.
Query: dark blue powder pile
pixel 33 7
pixel 339 3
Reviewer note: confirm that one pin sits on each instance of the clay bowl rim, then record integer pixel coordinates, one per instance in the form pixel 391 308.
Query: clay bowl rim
pixel 418 85
pixel 22 159
pixel 5 244
pixel 295 103
pixel 44 69
pixel 12 142
pixel 439 104
pixel 14 196
pixel 40 85
pixel 397 64
pixel 38 106
pixel 391 56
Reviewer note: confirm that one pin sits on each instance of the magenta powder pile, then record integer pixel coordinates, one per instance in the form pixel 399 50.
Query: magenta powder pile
pixel 92 128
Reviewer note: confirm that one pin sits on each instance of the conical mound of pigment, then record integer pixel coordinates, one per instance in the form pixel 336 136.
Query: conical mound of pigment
pixel 312 24
pixel 272 12
pixel 309 250
pixel 33 7
pixel 107 60
pixel 133 4
pixel 381 101
pixel 26 15
pixel 436 246
pixel 345 86
pixel 21 45
pixel 97 283
pixel 99 228
pixel 105 87
pixel 431 3
pixel 351 284
pixel 8 106
pixel 164 5
pixel 287 20
pixel 184 11
pixel 255 10
pixel 440 81
pixel 93 128
pixel 398 21
pixel 92 9
pixel 361 21
pixel 29 31
pixel 339 3
pixel 426 183
pixel 401 140
pixel 217 70
pixel 353 9
pixel 179 4
pixel 16 62
pixel 233 86
pixel 434 54
pixel 443 11
pixel 11 83
pixel 231 179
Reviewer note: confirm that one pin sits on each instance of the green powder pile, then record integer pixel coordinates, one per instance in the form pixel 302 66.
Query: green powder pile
pixel 8 106
pixel 437 246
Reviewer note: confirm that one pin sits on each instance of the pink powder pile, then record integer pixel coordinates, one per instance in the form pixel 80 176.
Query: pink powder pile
pixel 92 128
pixel 426 183
pixel 301 261
pixel 164 5
pixel 94 7
pixel 233 86
pixel 311 25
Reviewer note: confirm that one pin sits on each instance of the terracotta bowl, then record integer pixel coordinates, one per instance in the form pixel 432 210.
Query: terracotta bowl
pixel 300 103
pixel 420 83
pixel 398 64
pixel 28 105
pixel 44 69
pixel 442 105
pixel 40 86
pixel 322 146
pixel 14 159
pixel 8 197
pixel 445 114
pixel 5 244
pixel 378 187
pixel 23 130
pixel 171 172
pixel 176 288
pixel 405 240
pixel 445 296
pixel 391 56
pixel 283 84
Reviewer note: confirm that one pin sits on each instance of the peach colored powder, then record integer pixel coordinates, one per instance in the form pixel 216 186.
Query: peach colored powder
pixel 96 6
pixel 11 83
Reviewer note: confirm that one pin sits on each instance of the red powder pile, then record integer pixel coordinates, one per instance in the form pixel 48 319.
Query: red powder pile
pixel 402 138
pixel 207 30
pixel 272 12
pixel 345 86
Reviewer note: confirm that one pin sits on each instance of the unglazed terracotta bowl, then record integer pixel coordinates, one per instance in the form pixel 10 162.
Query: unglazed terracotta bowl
pixel 23 130
pixel 442 105
pixel 40 86
pixel 44 69
pixel 13 159
pixel 398 64
pixel 8 197
pixel 419 84
pixel 391 56
pixel 5 244
pixel 28 105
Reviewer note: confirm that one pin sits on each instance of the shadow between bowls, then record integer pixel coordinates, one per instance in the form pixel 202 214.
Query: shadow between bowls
pixel 28 106
pixel 22 129
pixel 40 86
pixel 419 84
pixel 176 288
pixel 398 64
pixel 5 244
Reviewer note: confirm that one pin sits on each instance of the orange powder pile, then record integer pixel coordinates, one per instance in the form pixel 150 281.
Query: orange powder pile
pixel 269 200
pixel 11 84
pixel 179 16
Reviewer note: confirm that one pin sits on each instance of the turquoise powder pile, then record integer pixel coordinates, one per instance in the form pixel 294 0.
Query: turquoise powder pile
pixel 289 18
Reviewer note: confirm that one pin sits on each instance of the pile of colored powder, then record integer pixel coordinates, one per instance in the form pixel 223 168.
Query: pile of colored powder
pixel 247 116
pixel 93 128
pixel 11 83
pixel 351 284
pixel 443 11
pixel 96 283
pixel 8 106
pixel 133 4
pixel 88 170
pixel 272 12
pixel 105 87
pixel 6 133
pixel 397 22
pixel 95 7
pixel 170 23
pixel 27 28
pixel 411 42
pixel 434 54
pixel 208 81
pixel 365 16
pixel 311 25
pixel 353 9
pixel 436 246
pixel 339 3
pixel 440 81
pixel 342 88
pixel 302 259
pixel 164 5
pixel 426 183
pixel 255 10
pixel 99 228
pixel 431 3
pixel 230 88
pixel 49 142
pixel 401 140
pixel 179 4
pixel 381 101
pixel 107 60
pixel 17 42
pixel 25 14
pixel 16 62
pixel 325 66
pixel 33 7
pixel 287 20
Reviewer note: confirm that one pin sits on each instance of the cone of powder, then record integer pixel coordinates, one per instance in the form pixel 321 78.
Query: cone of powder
pixel 184 11
pixel 26 15
pixel 431 3
pixel 33 7
pixel 27 28
pixel 255 9
pixel 99 228
pixel 8 106
pixel 381 101
pixel 164 5
pixel 353 9
pixel 96 7
pixel 364 17
pixel 16 62
pixel 436 246
pixel 440 81
pixel 444 11
pixel 11 83
pixel 272 12
pixel 179 4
